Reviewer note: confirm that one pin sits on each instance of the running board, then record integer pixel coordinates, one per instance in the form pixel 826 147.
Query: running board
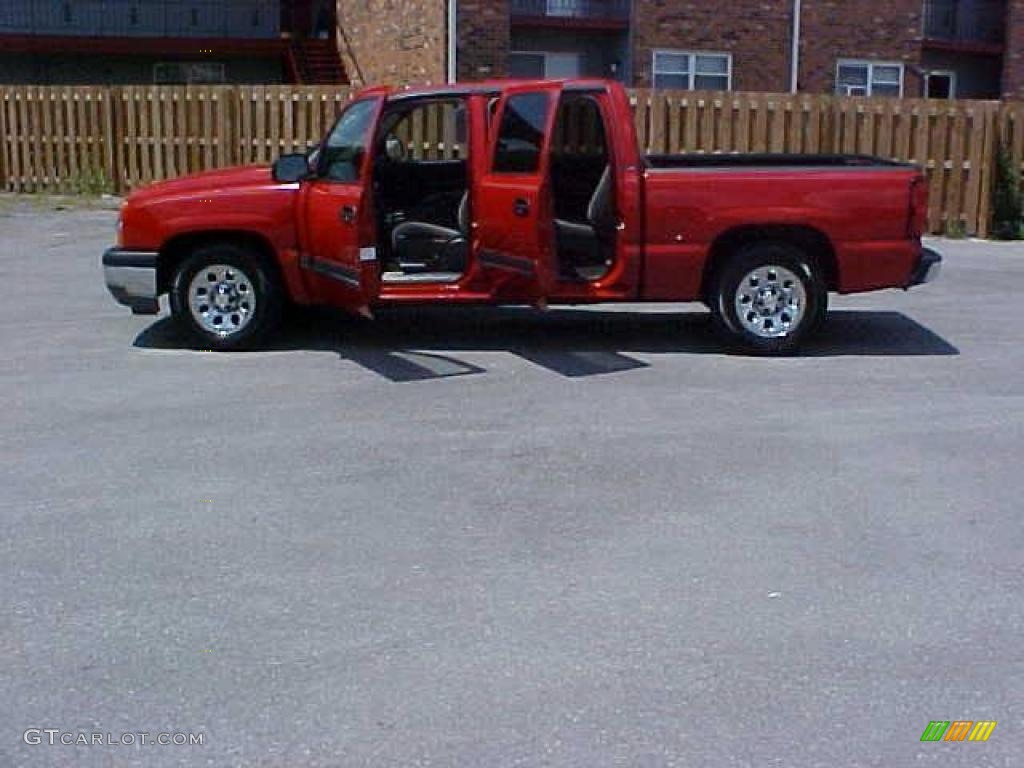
pixel 392 278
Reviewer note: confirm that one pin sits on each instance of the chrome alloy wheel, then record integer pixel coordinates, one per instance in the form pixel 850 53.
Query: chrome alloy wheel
pixel 221 299
pixel 770 301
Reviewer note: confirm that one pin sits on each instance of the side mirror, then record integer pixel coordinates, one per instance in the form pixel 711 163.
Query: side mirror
pixel 291 168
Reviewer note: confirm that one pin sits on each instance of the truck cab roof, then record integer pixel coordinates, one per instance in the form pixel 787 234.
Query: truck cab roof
pixel 486 87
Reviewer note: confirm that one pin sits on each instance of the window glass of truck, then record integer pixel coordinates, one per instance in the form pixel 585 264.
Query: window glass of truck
pixel 345 147
pixel 521 135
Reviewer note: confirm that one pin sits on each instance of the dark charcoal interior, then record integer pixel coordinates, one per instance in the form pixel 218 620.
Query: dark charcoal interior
pixel 573 181
pixel 422 213
pixel 584 200
pixel 422 204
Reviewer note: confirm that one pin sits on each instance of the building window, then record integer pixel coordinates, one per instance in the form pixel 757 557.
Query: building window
pixel 693 70
pixel 940 85
pixel 188 72
pixel 539 64
pixel 528 65
pixel 869 78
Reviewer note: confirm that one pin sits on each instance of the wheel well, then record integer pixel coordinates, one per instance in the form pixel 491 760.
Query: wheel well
pixel 811 241
pixel 178 248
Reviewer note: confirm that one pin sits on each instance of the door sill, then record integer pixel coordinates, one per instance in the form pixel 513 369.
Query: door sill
pixel 594 273
pixel 401 278
pixel 585 275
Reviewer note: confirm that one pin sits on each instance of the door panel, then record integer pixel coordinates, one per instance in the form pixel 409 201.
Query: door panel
pixel 337 230
pixel 515 237
pixel 332 242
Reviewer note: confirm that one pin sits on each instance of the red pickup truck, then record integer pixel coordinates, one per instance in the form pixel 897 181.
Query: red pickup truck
pixel 530 192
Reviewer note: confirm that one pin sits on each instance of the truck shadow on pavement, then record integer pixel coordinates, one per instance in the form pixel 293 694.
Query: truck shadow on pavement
pixel 573 343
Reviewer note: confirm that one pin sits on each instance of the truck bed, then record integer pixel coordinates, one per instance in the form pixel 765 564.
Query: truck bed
pixel 859 204
pixel 765 160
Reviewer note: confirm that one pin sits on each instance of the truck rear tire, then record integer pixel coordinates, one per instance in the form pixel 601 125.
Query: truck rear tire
pixel 769 297
pixel 226 298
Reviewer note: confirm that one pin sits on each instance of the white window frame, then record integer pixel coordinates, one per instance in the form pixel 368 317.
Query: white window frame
pixel 951 74
pixel 870 64
pixel 692 74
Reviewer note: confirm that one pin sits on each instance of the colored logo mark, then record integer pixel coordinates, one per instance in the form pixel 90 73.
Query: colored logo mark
pixel 958 730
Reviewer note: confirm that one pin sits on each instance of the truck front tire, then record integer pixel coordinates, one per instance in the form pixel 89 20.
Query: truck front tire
pixel 769 297
pixel 225 297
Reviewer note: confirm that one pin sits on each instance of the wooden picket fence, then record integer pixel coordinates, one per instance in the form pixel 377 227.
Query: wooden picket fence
pixel 56 138
pixel 954 141
pixel 71 138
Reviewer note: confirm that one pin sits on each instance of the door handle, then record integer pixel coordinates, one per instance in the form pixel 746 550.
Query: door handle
pixel 521 206
pixel 347 214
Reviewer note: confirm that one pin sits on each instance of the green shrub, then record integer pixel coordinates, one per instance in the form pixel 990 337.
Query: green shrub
pixel 956 228
pixel 1007 208
pixel 89 181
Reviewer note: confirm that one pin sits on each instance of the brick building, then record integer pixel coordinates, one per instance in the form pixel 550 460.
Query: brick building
pixel 394 41
pixel 1013 58
pixel 53 42
pixel 962 48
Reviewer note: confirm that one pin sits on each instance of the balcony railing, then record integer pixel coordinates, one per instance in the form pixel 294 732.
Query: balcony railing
pixel 965 21
pixel 617 10
pixel 142 18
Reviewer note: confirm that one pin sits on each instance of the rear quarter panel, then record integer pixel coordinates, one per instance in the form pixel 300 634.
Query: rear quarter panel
pixel 862 211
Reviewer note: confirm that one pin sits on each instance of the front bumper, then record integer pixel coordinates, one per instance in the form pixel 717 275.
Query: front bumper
pixel 929 264
pixel 131 279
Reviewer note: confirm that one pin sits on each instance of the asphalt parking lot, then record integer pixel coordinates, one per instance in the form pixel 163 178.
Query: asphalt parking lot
pixel 506 538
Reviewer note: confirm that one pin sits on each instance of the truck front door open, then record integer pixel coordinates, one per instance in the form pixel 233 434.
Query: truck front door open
pixel 335 213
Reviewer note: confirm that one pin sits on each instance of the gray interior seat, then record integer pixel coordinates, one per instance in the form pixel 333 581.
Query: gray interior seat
pixel 442 248
pixel 587 243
